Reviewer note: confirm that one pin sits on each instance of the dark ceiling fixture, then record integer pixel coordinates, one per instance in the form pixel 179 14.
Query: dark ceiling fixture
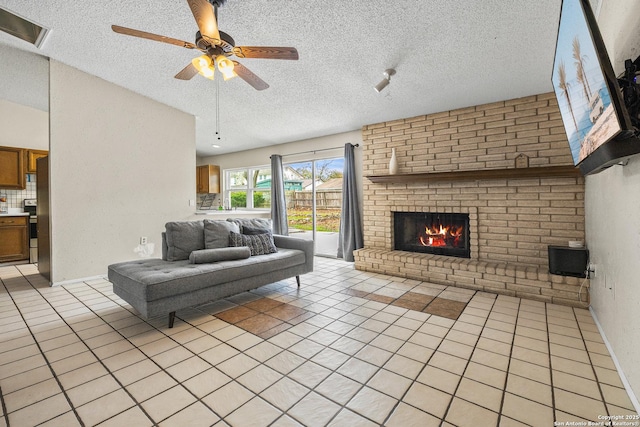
pixel 216 46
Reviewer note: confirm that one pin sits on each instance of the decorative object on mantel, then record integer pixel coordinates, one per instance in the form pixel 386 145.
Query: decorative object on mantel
pixel 568 171
pixel 393 163
pixel 522 161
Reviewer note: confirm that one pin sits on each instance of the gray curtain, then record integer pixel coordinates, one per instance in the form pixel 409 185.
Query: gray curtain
pixel 278 201
pixel 350 237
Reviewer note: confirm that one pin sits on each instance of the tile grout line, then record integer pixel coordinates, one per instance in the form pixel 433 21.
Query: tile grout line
pixel 258 395
pixel 2 402
pixel 506 378
pixel 285 412
pixel 475 346
pixel 162 369
pixel 334 371
pixel 415 380
pixel 111 373
pixel 37 343
pixel 93 301
pixel 91 350
pixel 379 368
pixel 593 369
pixel 363 385
pixel 395 353
pixel 553 389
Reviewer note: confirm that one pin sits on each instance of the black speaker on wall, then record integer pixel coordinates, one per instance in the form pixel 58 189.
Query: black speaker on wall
pixel 566 261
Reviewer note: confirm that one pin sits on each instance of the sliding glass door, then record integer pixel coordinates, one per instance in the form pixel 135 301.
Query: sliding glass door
pixel 314 201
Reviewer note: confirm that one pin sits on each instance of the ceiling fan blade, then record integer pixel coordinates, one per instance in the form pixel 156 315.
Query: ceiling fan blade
pixel 151 36
pixel 187 72
pixel 269 52
pixel 206 20
pixel 245 74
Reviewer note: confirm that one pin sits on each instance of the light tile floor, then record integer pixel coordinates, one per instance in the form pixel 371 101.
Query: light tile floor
pixel 328 353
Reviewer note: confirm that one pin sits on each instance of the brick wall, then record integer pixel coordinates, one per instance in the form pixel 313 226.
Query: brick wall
pixel 516 219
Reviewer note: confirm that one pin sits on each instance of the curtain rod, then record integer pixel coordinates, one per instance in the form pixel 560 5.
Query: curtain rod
pixel 316 151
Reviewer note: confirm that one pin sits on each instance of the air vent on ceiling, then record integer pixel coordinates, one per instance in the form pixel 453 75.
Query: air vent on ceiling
pixel 21 28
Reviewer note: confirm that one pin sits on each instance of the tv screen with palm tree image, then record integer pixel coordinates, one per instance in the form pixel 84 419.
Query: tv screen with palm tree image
pixel 590 101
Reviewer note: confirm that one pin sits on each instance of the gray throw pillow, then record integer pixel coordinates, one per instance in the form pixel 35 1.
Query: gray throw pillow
pixel 216 233
pixel 253 230
pixel 219 254
pixel 183 237
pixel 259 244
pixel 252 222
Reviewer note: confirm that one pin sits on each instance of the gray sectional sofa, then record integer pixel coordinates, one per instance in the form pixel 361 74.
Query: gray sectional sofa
pixel 203 261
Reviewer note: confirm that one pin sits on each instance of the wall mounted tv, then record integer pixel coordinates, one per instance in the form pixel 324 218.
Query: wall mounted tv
pixel 596 119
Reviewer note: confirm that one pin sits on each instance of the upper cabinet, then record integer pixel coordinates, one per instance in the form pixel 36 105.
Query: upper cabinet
pixel 15 163
pixel 31 157
pixel 207 179
pixel 12 170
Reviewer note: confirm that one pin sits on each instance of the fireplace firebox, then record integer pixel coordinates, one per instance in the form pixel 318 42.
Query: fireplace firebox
pixel 432 233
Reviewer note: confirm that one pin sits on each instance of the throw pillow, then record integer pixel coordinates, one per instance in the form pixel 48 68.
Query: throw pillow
pixel 204 256
pixel 216 233
pixel 254 230
pixel 259 244
pixel 183 237
pixel 252 222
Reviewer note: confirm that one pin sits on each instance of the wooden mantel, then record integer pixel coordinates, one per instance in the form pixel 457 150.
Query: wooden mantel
pixel 484 174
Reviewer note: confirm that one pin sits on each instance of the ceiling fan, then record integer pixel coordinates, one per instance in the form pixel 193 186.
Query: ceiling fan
pixel 216 46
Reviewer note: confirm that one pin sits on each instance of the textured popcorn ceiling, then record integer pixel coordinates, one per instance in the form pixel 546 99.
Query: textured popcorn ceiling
pixel 448 54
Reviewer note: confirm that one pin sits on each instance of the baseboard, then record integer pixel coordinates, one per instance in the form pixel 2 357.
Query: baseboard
pixel 83 279
pixel 625 382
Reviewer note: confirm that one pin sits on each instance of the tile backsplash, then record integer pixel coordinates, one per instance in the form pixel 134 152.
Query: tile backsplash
pixel 15 197
pixel 208 201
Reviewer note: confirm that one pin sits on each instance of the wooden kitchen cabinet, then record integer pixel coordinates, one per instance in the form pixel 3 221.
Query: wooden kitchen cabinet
pixel 12 170
pixel 208 179
pixel 14 238
pixel 31 157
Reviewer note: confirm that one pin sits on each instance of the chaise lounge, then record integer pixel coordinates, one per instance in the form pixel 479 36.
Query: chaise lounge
pixel 204 261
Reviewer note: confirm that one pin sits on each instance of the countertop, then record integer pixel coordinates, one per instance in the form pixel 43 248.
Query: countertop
pixel 16 212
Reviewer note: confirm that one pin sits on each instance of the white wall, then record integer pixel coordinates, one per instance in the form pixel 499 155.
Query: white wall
pixel 23 126
pixel 121 165
pixel 24 99
pixel 612 209
pixel 24 78
pixel 261 156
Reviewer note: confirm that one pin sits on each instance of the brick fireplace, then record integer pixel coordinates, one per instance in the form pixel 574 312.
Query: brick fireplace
pixel 464 161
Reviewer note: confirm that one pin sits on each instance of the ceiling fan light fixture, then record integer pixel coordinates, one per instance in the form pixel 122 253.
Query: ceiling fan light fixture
pixel 225 65
pixel 204 65
pixel 385 82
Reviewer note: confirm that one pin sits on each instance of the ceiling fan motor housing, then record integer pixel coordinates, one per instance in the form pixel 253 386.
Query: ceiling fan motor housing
pixel 217 3
pixel 226 44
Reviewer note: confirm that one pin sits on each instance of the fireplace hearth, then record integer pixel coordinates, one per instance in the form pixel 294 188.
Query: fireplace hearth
pixel 432 233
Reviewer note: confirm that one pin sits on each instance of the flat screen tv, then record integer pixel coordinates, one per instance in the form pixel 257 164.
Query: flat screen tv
pixel 595 117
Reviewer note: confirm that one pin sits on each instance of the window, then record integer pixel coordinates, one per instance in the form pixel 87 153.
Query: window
pixel 248 188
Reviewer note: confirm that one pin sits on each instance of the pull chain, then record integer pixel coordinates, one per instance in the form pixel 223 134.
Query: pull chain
pixel 218 108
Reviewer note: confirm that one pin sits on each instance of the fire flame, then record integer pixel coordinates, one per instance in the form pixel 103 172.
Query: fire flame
pixel 441 236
